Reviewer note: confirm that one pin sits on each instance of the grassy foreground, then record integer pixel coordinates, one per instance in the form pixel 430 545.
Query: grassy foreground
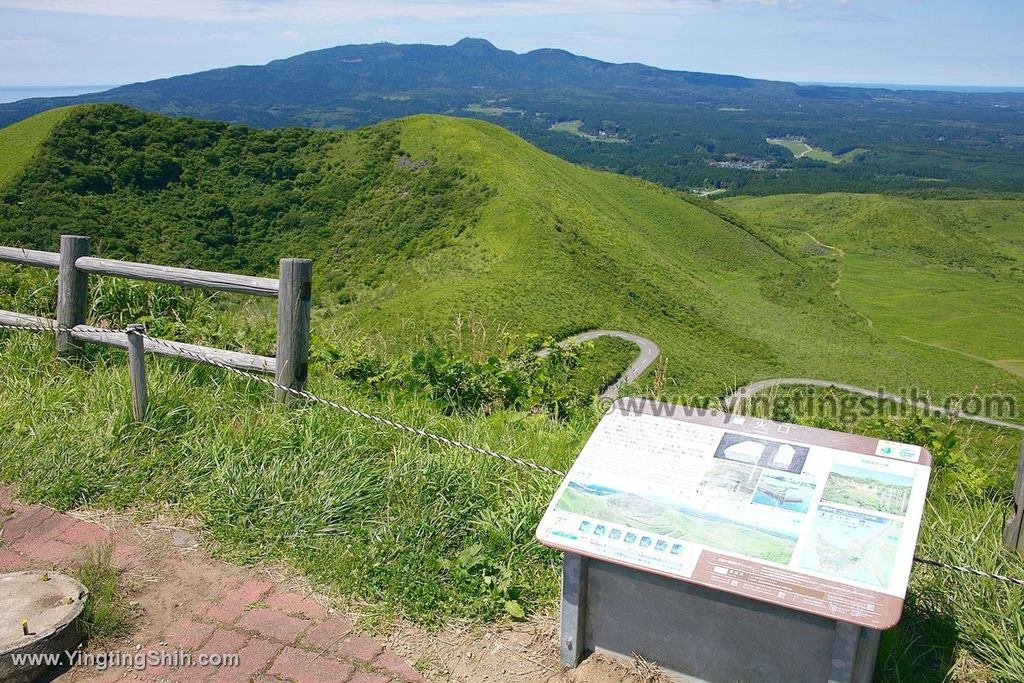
pixel 402 525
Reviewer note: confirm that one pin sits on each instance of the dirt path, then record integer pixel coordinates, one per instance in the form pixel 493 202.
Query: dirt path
pixel 182 600
pixel 1012 365
pixel 826 246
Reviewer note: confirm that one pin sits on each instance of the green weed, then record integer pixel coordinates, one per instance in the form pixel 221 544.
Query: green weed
pixel 105 615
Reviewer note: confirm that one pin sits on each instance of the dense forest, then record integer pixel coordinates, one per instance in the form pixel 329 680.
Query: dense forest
pixel 221 197
pixel 681 129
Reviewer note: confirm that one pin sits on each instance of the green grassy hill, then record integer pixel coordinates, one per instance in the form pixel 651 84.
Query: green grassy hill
pixel 945 273
pixel 19 141
pixel 418 223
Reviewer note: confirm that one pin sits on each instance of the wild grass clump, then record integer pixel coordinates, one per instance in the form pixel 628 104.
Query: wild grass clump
pixel 105 615
pixel 531 375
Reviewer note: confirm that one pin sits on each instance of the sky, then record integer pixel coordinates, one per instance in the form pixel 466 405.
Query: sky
pixel 941 42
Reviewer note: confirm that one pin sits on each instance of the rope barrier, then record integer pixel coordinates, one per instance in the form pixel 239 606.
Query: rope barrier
pixel 313 398
pixel 969 570
pixel 178 348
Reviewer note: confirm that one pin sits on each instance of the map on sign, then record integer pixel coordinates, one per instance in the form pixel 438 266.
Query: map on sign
pixel 818 521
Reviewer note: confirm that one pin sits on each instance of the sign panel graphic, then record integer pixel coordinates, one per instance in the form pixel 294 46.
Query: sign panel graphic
pixel 814 520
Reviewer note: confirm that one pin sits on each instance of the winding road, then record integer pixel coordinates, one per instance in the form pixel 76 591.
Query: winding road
pixel 649 352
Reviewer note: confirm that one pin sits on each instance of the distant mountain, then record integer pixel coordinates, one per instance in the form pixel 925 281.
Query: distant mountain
pixel 679 128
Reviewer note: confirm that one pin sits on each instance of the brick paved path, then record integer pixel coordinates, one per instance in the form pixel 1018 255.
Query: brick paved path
pixel 278 634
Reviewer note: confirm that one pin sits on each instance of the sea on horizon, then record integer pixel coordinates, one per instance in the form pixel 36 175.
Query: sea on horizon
pixel 914 86
pixel 13 93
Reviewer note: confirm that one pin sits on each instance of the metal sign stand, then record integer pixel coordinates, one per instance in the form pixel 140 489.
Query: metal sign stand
pixel 697 634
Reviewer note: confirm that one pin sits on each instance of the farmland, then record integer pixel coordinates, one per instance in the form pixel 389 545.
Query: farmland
pixel 573 128
pixel 801 149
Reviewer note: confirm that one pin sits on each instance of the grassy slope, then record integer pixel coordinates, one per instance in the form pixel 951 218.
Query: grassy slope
pixel 20 141
pixel 559 248
pixel 546 247
pixel 941 272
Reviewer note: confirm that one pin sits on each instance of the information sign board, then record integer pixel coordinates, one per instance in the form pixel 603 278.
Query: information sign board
pixel 810 519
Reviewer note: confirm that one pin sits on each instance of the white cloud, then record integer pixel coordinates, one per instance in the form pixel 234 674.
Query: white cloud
pixel 22 41
pixel 301 11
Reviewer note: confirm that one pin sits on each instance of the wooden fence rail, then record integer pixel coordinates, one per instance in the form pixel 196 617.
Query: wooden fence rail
pixel 30 257
pixel 74 264
pixel 183 277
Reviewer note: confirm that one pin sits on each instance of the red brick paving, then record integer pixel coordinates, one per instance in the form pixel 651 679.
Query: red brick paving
pixel 252 659
pixel 390 662
pixel 278 635
pixel 232 605
pixel 11 561
pixel 358 647
pixel 363 677
pixel 189 634
pixel 324 636
pixel 273 624
pixel 309 667
pixel 296 604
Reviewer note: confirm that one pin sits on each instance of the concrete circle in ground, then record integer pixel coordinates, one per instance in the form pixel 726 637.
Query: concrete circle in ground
pixel 48 605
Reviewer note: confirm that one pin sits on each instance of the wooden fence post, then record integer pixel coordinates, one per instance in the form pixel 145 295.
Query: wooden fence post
pixel 293 309
pixel 137 371
pixel 1012 535
pixel 72 292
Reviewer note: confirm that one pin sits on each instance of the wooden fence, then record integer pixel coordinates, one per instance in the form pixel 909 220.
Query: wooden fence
pixel 73 263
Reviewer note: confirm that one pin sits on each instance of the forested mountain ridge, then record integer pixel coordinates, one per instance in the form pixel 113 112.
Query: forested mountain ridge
pixel 682 129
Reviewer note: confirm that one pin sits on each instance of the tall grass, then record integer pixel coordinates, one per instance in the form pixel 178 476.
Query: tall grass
pixel 375 514
pixel 105 615
pixel 406 526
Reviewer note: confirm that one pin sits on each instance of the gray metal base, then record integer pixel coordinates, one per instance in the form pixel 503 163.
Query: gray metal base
pixel 696 634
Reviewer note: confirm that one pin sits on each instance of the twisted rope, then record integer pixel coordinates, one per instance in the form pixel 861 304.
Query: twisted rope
pixel 453 443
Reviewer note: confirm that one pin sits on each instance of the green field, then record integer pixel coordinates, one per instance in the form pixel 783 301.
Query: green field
pixel 492 109
pixel 18 142
pixel 802 150
pixel 573 128
pixel 964 312
pixel 945 273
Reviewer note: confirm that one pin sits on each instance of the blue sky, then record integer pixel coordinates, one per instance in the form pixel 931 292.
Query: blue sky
pixel 49 42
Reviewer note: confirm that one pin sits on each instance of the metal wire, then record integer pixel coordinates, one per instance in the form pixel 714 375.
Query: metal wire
pixel 313 398
pixel 355 411
pixel 179 349
pixel 969 570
